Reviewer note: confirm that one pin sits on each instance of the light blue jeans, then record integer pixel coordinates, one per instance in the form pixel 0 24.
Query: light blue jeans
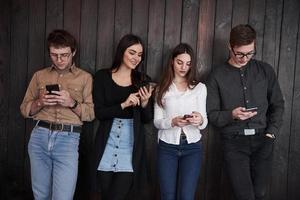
pixel 54 163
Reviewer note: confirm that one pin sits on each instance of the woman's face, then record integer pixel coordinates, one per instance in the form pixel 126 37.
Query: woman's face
pixel 181 65
pixel 132 56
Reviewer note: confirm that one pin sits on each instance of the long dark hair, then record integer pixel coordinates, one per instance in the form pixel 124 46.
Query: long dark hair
pixel 192 77
pixel 125 42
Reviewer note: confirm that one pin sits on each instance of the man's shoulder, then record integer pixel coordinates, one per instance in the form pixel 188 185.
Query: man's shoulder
pixel 266 67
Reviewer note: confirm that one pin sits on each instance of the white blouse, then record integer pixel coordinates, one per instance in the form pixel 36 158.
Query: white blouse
pixel 177 103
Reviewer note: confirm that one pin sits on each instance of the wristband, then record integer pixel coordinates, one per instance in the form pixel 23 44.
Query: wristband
pixel 75 105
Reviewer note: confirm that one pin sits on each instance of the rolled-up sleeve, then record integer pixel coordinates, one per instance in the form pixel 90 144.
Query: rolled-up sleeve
pixel 30 96
pixel 87 106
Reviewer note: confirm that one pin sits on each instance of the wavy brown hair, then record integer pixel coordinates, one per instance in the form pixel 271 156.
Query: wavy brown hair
pixel 192 76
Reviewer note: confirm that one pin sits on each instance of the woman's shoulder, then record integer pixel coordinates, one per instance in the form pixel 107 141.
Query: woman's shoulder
pixel 200 85
pixel 102 73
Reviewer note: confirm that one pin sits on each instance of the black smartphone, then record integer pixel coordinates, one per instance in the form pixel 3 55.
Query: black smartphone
pixel 253 109
pixel 187 116
pixel 52 87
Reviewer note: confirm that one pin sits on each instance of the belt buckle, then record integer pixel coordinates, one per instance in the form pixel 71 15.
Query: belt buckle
pixel 249 131
pixel 54 127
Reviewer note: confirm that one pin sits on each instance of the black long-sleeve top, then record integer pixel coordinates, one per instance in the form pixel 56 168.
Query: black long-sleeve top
pixel 253 85
pixel 108 96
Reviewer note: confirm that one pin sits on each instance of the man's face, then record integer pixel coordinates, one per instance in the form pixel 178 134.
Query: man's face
pixel 62 57
pixel 241 55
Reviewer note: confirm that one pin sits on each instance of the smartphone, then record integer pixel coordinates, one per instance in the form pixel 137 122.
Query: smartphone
pixel 253 109
pixel 187 116
pixel 53 87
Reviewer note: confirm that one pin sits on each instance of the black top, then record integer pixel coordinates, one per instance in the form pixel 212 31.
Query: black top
pixel 253 85
pixel 108 96
pixel 112 95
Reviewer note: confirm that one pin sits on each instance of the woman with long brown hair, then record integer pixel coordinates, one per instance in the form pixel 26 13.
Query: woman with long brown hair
pixel 180 114
pixel 121 106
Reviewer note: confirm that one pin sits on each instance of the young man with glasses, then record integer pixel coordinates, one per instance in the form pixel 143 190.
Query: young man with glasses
pixel 246 103
pixel 59 99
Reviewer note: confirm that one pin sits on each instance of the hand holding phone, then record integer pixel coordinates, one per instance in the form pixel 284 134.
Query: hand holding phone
pixel 253 109
pixel 187 116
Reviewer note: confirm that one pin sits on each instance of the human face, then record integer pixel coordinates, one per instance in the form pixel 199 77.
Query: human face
pixel 132 56
pixel 62 57
pixel 181 65
pixel 240 56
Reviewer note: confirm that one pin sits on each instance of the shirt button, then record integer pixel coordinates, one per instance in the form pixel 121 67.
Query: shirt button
pixel 117 147
pixel 57 120
pixel 119 127
pixel 115 155
pixel 247 101
pixel 242 75
pixel 245 88
pixel 61 75
pixel 59 85
pixel 114 165
pixel 118 136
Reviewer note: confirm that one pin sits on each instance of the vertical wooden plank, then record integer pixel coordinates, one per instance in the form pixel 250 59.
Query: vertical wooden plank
pixel 88 45
pixel 190 15
pixel 286 77
pixel 88 36
pixel 71 17
pixel 105 36
pixel 216 181
pixel 36 46
pixel 172 27
pixel 140 13
pixel 122 20
pixel 204 53
pixel 155 38
pixel 5 31
pixel 18 71
pixel 240 12
pixel 294 153
pixel 222 31
pixel 54 20
pixel 205 35
pixel 271 33
pixel 256 20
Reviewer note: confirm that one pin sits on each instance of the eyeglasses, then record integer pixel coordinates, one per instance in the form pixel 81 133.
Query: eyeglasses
pixel 63 56
pixel 242 55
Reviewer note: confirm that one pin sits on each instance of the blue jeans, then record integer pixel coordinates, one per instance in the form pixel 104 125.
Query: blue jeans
pixel 184 160
pixel 54 160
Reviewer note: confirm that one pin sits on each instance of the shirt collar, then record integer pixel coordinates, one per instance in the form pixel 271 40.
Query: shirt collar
pixel 72 69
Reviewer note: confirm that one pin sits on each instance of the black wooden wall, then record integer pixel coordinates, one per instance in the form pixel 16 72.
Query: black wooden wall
pixel 99 24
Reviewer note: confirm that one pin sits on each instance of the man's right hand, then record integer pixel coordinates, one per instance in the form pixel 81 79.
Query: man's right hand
pixel 240 113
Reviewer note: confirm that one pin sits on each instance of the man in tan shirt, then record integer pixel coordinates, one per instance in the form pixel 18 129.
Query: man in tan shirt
pixel 59 99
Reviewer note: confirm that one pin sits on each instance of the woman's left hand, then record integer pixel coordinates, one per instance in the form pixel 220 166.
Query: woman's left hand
pixel 145 94
pixel 196 120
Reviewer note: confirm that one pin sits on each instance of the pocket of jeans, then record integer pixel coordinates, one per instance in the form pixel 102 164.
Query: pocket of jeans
pixel 74 135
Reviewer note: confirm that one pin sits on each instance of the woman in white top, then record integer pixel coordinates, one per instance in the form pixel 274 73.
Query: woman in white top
pixel 180 114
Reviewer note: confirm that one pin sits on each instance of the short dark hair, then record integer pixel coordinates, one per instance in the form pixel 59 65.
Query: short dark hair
pixel 242 34
pixel 60 38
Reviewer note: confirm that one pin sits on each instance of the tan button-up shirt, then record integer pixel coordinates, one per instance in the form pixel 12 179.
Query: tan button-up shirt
pixel 76 81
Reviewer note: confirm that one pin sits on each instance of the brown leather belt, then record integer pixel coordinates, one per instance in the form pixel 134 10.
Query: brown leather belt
pixel 59 127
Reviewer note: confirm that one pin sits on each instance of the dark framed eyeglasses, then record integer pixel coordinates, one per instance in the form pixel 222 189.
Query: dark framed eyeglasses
pixel 63 56
pixel 242 55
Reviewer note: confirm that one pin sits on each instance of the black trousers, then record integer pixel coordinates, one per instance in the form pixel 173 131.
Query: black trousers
pixel 114 186
pixel 248 162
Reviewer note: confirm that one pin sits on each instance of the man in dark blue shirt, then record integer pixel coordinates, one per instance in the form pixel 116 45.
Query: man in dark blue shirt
pixel 246 103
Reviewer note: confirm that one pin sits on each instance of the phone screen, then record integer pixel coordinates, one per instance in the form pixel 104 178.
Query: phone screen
pixel 53 87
